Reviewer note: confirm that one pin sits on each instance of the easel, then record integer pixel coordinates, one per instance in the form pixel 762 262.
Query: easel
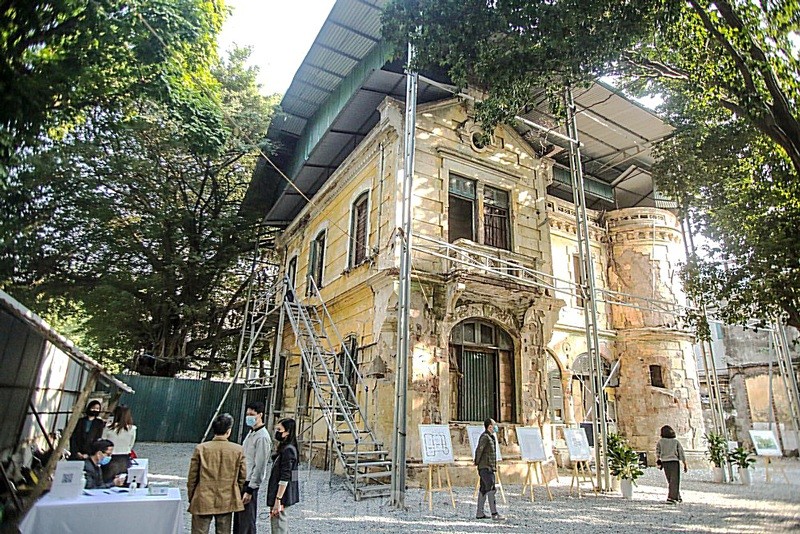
pixel 767 463
pixel 498 483
pixel 536 469
pixel 430 489
pixel 580 474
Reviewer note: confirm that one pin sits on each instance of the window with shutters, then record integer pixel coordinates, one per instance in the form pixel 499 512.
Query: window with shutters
pixel 578 277
pixel 358 230
pixel 481 373
pixel 461 211
pixel 495 218
pixel 291 272
pixel 316 261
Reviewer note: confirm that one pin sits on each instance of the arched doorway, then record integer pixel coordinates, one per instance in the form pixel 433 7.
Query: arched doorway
pixel 482 377
pixel 582 389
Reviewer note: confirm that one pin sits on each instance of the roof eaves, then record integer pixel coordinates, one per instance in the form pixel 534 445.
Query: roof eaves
pixel 50 334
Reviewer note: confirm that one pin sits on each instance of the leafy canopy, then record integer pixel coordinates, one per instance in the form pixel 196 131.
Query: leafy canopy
pixel 136 223
pixel 730 76
pixel 59 58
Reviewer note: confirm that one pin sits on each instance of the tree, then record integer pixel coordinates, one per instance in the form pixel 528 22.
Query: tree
pixel 135 218
pixel 749 267
pixel 732 67
pixel 61 57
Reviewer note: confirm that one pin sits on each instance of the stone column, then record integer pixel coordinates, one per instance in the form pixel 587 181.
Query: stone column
pixel 658 374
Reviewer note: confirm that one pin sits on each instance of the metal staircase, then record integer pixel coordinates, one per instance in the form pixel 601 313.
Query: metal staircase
pixel 333 376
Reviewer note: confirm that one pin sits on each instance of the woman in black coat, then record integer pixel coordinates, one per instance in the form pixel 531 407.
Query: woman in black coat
pixel 283 489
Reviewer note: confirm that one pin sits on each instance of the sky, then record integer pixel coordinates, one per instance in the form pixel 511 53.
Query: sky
pixel 279 32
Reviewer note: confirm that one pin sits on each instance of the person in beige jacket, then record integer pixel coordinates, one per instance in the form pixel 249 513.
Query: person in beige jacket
pixel 216 474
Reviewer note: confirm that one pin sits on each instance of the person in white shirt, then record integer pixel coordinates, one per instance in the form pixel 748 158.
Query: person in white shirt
pixel 122 432
pixel 257 450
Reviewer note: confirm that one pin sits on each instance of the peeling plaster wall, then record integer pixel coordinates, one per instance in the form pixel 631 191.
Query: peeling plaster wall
pixel 363 300
pixel 645 251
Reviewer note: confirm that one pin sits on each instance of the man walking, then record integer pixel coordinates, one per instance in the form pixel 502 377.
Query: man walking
pixel 486 460
pixel 216 476
pixel 257 449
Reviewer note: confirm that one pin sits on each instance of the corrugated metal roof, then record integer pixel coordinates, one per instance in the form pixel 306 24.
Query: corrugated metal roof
pixel 347 57
pixel 39 325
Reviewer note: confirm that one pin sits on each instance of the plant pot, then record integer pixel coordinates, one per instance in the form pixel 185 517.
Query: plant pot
pixel 626 486
pixel 615 484
pixel 716 475
pixel 744 476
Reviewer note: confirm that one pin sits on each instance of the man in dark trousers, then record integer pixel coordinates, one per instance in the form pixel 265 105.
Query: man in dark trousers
pixel 88 430
pixel 257 450
pixel 486 460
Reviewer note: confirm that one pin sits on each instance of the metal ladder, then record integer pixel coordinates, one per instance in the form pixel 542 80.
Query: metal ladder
pixel 785 366
pixel 334 377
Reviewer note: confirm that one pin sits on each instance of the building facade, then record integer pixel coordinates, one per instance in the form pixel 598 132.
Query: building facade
pixel 484 342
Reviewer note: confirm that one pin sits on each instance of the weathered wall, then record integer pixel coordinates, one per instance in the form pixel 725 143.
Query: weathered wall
pixel 644 250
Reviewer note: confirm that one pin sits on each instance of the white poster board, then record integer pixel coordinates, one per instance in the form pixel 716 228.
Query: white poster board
pixel 531 444
pixel 68 480
pixel 578 444
pixel 765 443
pixel 437 447
pixel 474 434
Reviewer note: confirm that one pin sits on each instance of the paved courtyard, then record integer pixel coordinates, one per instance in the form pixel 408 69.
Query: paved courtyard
pixel 707 507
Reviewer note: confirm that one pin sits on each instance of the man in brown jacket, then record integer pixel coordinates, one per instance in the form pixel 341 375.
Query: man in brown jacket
pixel 216 474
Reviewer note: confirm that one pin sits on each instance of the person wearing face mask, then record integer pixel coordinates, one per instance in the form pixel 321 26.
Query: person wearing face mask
pixel 486 460
pixel 88 430
pixel 99 455
pixel 257 449
pixel 283 489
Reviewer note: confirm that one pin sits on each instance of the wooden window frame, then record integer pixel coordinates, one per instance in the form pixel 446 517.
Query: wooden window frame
pixel 359 231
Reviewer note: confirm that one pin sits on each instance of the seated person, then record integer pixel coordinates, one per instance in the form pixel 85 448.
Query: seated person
pixel 99 454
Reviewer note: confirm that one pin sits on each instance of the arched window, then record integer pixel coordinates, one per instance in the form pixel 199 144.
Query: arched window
pixel 291 272
pixel 316 261
pixel 582 386
pixel 481 373
pixel 555 391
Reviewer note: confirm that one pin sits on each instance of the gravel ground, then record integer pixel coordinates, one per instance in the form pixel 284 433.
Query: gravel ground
pixel 707 507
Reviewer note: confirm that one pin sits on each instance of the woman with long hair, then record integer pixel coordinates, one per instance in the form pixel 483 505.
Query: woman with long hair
pixel 122 432
pixel 283 490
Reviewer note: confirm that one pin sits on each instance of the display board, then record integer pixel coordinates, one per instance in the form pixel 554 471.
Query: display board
pixel 577 444
pixel 474 435
pixel 765 443
pixel 531 444
pixel 437 447
pixel 68 480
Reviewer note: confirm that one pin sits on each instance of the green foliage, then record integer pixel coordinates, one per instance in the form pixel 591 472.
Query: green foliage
pixel 623 461
pixel 749 213
pixel 742 458
pixel 730 75
pixel 134 220
pixel 717 448
pixel 60 58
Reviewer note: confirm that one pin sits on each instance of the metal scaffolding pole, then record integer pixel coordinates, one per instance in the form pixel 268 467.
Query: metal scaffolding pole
pixel 786 368
pixel 599 420
pixel 404 297
pixel 709 362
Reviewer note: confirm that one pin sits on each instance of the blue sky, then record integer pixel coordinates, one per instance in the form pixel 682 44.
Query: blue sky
pixel 280 33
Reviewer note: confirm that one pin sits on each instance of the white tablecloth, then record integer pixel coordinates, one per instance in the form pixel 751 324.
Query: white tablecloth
pixel 105 512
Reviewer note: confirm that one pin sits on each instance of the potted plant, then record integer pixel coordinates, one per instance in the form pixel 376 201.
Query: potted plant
pixel 623 462
pixel 717 453
pixel 744 461
pixel 615 441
